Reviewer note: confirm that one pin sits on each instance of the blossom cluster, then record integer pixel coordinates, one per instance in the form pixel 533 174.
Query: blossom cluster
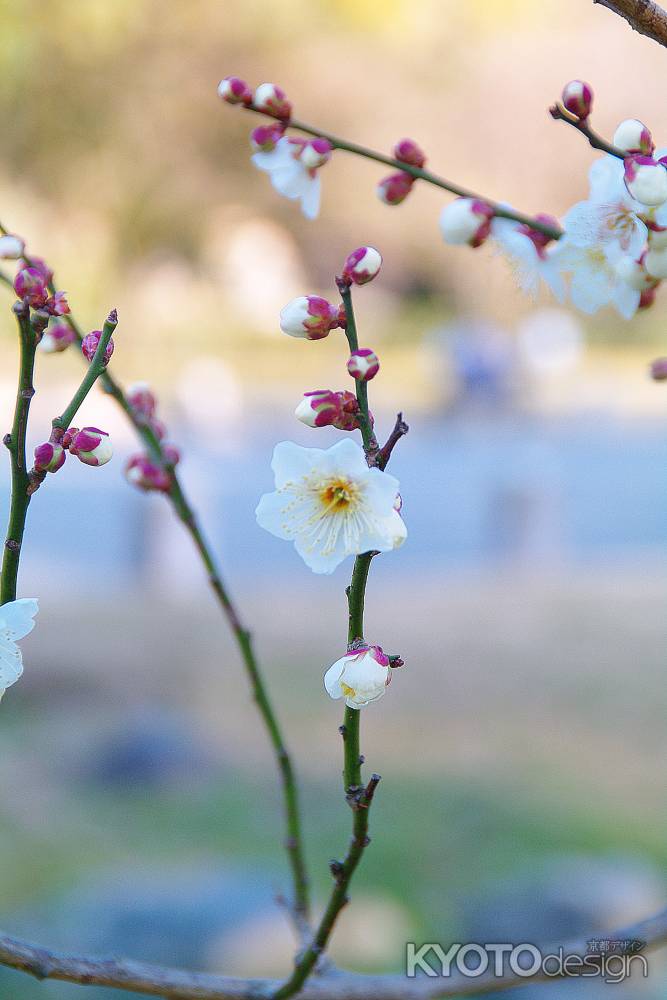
pixel 143 471
pixel 89 444
pixel 33 285
pixel 337 502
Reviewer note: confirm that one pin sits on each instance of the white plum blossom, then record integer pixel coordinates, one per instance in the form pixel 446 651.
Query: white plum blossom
pixel 331 504
pixel 361 676
pixel 598 277
pixel 610 214
pixel 293 166
pixel 532 258
pixel 16 621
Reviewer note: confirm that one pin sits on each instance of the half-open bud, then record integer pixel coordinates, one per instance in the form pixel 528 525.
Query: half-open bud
pixel 466 220
pixel 90 343
pixel 272 100
pixel 49 457
pixel 308 316
pixel 90 445
pixel 348 418
pixel 655 263
pixel 362 265
pixel 632 136
pixel 363 364
pixel 315 153
pixel 395 188
pixel 29 285
pixel 57 304
pixel 659 370
pixel 407 151
pixel 56 338
pixel 361 676
pixel 646 180
pixel 319 408
pixel 234 90
pixel 143 473
pixel 264 138
pixel 577 98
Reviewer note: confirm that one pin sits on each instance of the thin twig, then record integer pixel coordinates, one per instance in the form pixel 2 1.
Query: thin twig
pixel 559 113
pixel 177 984
pixel 399 431
pixel 644 16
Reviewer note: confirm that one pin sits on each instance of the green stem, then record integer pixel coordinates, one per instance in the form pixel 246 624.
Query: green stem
pixel 424 175
pixel 96 369
pixel 183 509
pixel 365 425
pixel 16 443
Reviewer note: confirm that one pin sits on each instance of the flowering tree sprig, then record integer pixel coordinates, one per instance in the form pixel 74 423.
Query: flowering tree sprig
pixel 162 464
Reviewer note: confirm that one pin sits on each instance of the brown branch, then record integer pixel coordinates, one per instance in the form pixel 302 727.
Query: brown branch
pixel 177 984
pixel 559 114
pixel 399 431
pixel 643 16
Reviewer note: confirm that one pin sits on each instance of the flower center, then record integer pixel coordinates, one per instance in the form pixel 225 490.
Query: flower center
pixel 338 495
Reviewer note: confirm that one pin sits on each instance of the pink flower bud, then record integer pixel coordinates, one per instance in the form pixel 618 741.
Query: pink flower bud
pixel 57 304
pixel 265 138
pixel 90 445
pixel 632 136
pixel 315 153
pixel 394 189
pixel 11 247
pixel 146 475
pixel 40 265
pixel 49 457
pixel 308 316
pixel 272 100
pixel 466 220
pixel 363 364
pixel 348 418
pixel 578 98
pixel 57 338
pixel 647 297
pixel 362 265
pixel 159 428
pixel 89 346
pixel 172 455
pixel 659 370
pixel 646 180
pixel 234 90
pixel 30 286
pixel 407 151
pixel 319 408
pixel 141 399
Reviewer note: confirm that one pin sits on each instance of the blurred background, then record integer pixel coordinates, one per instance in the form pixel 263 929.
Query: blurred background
pixel 521 746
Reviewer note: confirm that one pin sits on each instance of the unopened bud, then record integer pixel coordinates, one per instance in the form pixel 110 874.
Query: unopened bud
pixel 647 297
pixel 49 457
pixel 659 370
pixel 57 338
pixel 172 455
pixel 657 236
pixel 29 285
pixel 90 445
pixel 362 265
pixel 646 180
pixel 632 136
pixel 466 220
pixel 308 316
pixel 394 189
pixel 11 247
pixel 272 100
pixel 264 138
pixel 363 364
pixel 141 472
pixel 142 399
pixel 320 408
pixel 407 151
pixel 234 90
pixel 90 343
pixel 348 418
pixel 655 263
pixel 577 98
pixel 315 153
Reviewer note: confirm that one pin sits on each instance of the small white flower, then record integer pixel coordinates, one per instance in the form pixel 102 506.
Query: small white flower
pixel 609 215
pixel 599 278
pixel 330 504
pixel 360 677
pixel 530 259
pixel 290 176
pixel 16 621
